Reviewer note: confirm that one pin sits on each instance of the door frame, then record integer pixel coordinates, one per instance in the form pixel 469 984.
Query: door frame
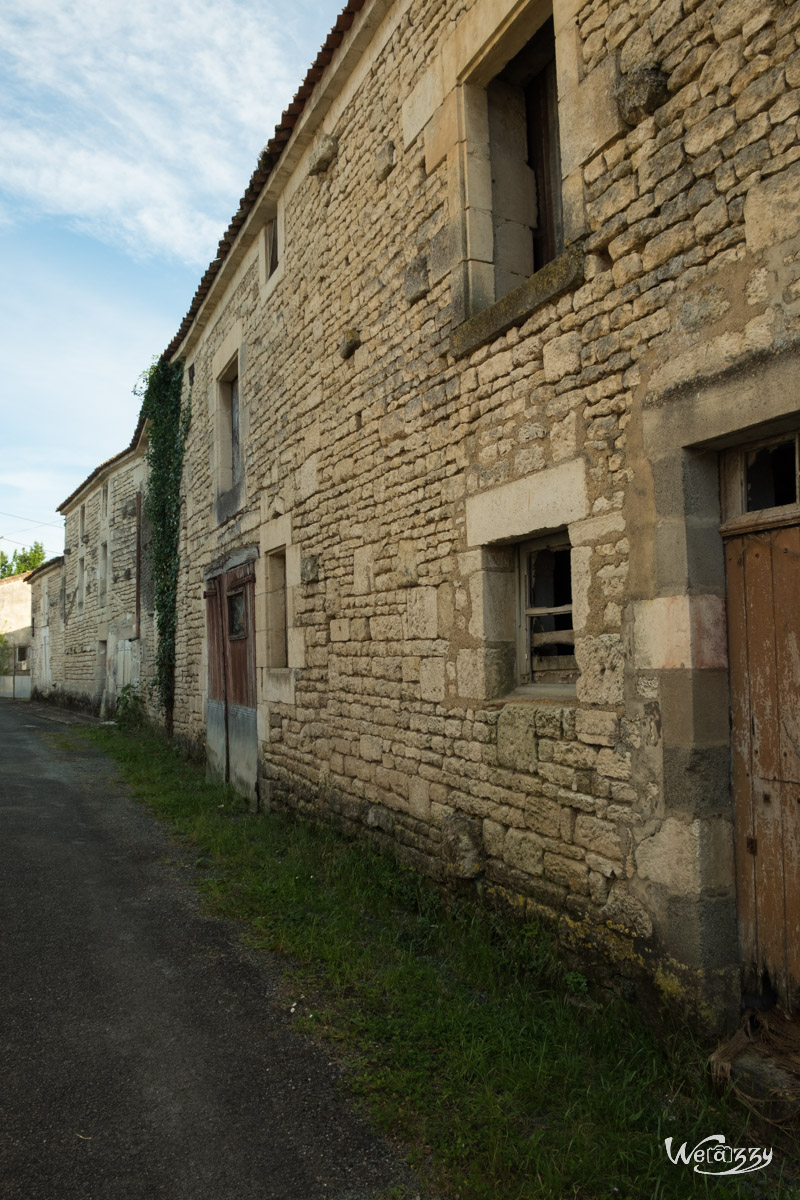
pixel 768 909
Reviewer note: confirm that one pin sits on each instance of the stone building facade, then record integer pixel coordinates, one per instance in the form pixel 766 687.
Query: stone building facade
pixel 92 608
pixel 15 637
pixel 46 598
pixel 494 425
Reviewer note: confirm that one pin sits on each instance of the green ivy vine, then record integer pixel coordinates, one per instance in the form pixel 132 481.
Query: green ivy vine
pixel 169 425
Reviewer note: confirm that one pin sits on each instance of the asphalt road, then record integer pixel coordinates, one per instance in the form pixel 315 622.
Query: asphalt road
pixel 145 1053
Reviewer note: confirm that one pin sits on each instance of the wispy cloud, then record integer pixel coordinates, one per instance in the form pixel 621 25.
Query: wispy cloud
pixel 141 123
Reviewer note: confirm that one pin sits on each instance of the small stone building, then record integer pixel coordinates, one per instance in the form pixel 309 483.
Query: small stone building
pixel 15 637
pixel 92 608
pixel 492 535
pixel 46 599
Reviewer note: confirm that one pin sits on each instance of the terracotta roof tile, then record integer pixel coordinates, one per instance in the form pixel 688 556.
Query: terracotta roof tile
pixel 45 566
pixel 98 470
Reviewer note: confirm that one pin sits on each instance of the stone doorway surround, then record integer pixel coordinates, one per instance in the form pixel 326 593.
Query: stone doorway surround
pixel 677 634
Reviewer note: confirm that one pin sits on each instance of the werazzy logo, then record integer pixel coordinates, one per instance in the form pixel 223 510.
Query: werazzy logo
pixel 712 1156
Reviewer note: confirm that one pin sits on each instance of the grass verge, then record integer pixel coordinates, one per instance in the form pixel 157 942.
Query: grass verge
pixel 464 1035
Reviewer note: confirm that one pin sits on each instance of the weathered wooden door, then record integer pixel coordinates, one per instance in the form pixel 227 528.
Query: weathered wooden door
pixel 763 580
pixel 231 722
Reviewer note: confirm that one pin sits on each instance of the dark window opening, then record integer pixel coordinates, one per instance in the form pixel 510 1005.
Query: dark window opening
pixel 237 614
pixel 771 476
pixel 526 162
pixel 548 636
pixel 236 454
pixel 272 247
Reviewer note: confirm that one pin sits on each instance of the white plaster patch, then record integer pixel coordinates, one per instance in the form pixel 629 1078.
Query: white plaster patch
pixel 679 632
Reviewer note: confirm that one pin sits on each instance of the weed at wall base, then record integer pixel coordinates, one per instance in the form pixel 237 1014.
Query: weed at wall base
pixel 460 1027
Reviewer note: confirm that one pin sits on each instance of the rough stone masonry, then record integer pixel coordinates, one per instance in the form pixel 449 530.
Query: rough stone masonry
pixel 420 433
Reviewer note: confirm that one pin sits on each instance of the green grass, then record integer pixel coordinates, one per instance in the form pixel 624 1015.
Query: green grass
pixel 459 1027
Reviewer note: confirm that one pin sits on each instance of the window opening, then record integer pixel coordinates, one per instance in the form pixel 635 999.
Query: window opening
pixel 82 523
pixel 236 456
pixel 237 615
pixel 526 162
pixel 272 247
pixel 548 638
pixel 102 574
pixel 104 502
pixel 277 623
pixel 771 476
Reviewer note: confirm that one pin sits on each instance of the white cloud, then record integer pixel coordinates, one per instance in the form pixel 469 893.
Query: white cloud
pixel 141 123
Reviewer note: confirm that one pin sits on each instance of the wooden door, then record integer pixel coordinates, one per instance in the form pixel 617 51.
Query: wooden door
pixel 763 580
pixel 231 718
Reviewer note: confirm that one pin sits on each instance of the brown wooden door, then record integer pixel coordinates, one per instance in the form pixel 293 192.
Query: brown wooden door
pixel 763 577
pixel 231 721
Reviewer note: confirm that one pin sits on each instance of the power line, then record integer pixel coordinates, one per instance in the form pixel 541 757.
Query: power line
pixel 36 524
pixel 24 545
pixel 32 529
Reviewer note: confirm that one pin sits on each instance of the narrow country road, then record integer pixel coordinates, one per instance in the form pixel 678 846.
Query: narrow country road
pixel 144 1052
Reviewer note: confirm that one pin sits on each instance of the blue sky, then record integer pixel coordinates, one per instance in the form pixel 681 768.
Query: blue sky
pixel 128 132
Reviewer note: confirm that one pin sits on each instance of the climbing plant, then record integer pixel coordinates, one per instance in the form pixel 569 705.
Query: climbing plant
pixel 169 424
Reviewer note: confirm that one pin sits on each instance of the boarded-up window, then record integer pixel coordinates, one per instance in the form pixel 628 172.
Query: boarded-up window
pixel 547 638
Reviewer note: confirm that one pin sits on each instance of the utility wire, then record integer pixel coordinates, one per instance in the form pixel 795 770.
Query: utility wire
pixel 17 517
pixel 24 545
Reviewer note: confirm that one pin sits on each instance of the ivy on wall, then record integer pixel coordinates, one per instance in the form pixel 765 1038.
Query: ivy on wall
pixel 169 424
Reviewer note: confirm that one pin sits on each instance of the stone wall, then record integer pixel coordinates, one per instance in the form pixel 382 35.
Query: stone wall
pixel 15 629
pixel 99 637
pixel 401 433
pixel 47 643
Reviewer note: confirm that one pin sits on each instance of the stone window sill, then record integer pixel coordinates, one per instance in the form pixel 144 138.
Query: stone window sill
pixel 229 504
pixel 539 693
pixel 551 282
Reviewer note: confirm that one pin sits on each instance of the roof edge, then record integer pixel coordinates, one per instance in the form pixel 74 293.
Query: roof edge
pixel 44 567
pixel 267 162
pixel 105 466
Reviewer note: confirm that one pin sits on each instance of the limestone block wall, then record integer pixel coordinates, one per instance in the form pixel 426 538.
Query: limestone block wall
pixel 15 621
pixel 402 431
pixel 47 642
pixel 108 638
